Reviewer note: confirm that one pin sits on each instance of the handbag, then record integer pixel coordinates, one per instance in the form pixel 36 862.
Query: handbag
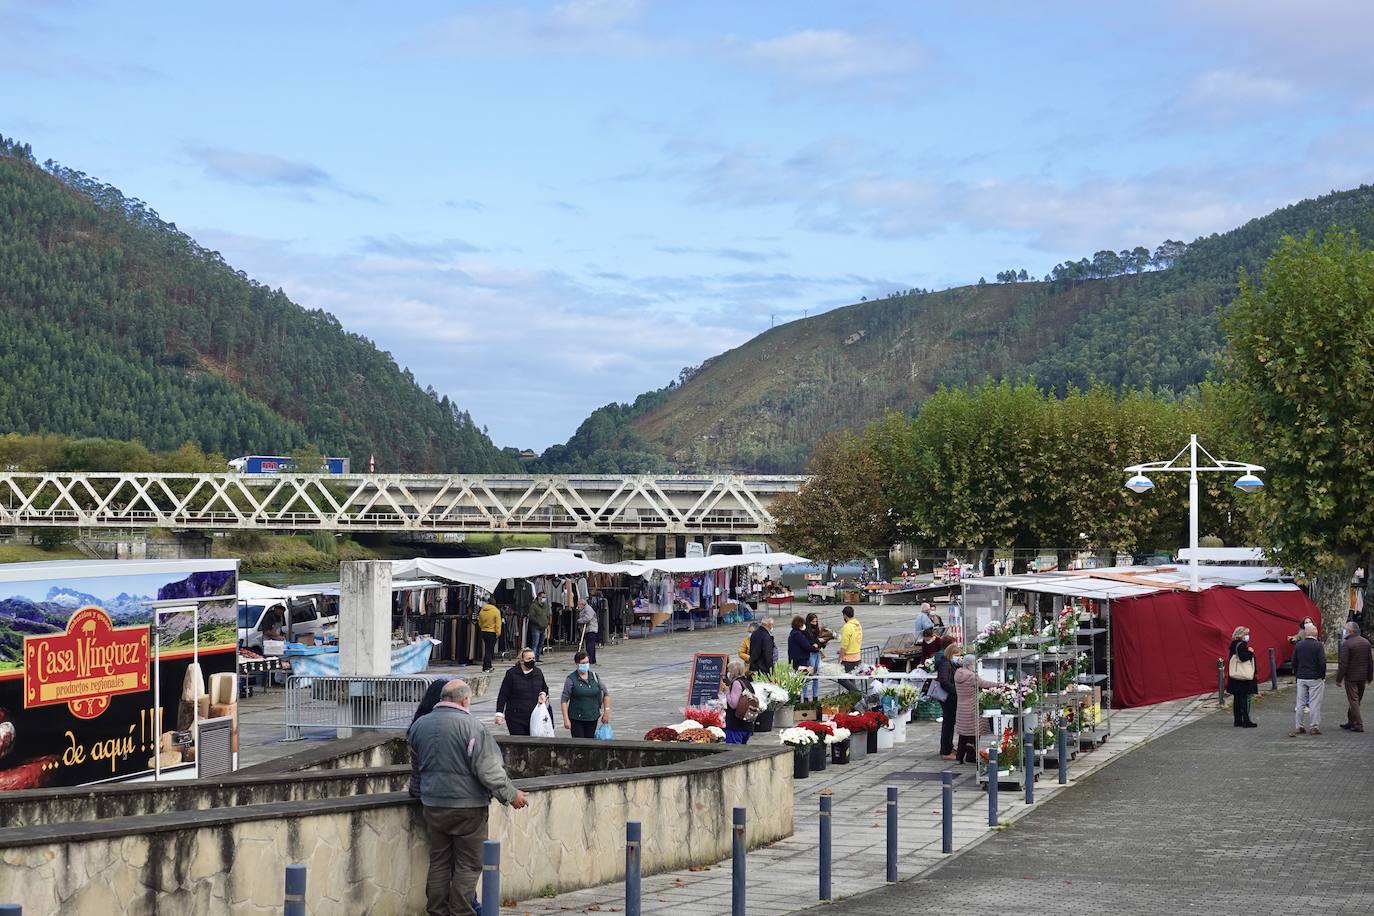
pixel 937 692
pixel 1241 671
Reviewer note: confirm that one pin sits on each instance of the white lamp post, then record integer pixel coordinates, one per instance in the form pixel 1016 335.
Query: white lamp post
pixel 1139 483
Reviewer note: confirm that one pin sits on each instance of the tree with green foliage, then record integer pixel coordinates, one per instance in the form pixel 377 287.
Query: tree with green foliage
pixel 1301 346
pixel 840 514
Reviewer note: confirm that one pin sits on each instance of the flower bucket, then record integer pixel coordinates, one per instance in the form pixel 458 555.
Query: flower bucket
pixel 783 717
pixel 801 763
pixel 818 755
pixel 839 752
pixel 858 745
pixel 871 741
pixel 764 723
pixel 899 730
pixel 886 738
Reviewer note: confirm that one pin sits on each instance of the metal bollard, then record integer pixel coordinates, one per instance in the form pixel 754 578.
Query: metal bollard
pixel 892 833
pixel 825 847
pixel 1063 756
pixel 946 811
pixel 993 768
pixel 737 867
pixel 632 840
pixel 1273 670
pixel 491 878
pixel 295 891
pixel 1221 682
pixel 1029 764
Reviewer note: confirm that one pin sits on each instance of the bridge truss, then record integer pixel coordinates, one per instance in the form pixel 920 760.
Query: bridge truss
pixel 472 503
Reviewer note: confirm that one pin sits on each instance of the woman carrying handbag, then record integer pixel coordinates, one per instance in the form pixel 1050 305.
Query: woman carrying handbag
pixel 1240 679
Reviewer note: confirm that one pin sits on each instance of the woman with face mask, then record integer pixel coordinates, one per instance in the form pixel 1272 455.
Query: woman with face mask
pixel 522 689
pixel 585 701
pixel 1240 662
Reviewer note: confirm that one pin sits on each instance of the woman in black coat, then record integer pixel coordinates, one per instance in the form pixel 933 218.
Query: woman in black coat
pixel 1240 688
pixel 521 690
pixel 800 645
pixel 949 706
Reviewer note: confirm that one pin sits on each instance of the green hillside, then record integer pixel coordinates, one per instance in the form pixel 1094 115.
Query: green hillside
pixel 115 324
pixel 763 405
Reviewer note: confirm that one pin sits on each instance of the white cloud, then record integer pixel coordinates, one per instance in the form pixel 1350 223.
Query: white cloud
pixel 602 27
pixel 267 170
pixel 833 58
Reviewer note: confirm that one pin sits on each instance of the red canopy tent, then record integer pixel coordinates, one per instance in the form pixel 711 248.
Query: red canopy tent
pixel 1165 645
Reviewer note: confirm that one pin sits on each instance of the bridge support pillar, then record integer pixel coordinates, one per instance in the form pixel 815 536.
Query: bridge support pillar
pixel 641 547
pixel 365 618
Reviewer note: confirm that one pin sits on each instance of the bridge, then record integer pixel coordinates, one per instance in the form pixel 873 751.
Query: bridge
pixel 723 504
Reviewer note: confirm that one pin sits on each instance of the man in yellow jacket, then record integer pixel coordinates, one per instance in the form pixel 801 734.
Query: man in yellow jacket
pixel 489 623
pixel 851 645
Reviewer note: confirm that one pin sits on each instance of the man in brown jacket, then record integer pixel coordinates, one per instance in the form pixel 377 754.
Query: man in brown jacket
pixel 1356 669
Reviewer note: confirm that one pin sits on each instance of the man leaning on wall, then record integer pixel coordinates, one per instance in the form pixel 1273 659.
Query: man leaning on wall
pixel 460 770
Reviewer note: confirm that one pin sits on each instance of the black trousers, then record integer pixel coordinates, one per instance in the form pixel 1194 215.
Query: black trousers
pixel 584 728
pixel 968 745
pixel 488 649
pixel 949 706
pixel 1240 708
pixel 590 644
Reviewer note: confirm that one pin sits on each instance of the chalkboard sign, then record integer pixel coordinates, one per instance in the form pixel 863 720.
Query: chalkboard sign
pixel 708 674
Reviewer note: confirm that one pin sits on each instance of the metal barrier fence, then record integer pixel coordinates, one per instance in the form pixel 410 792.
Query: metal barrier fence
pixel 351 702
pixel 868 655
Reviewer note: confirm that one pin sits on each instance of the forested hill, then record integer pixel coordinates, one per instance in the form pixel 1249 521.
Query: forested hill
pixel 115 324
pixel 1140 318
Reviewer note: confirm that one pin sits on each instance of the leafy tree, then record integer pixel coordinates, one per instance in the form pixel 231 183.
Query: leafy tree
pixel 1300 346
pixel 840 514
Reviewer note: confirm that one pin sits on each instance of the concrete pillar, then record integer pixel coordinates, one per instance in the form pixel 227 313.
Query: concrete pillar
pixel 365 618
pixel 641 546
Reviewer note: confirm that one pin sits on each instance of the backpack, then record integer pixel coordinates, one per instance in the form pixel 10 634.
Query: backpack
pixel 747 709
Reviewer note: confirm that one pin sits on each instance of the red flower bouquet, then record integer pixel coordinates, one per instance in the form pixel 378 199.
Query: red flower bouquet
pixel 704 717
pixel 660 734
pixel 861 722
pixel 820 728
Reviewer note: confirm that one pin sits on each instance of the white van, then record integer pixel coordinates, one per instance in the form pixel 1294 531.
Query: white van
pixel 581 555
pixel 292 618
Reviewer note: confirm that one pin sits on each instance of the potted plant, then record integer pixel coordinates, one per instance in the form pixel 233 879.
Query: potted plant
pixel 822 731
pixel 800 740
pixel 1008 757
pixel 785 677
pixel 838 740
pixel 857 728
pixel 771 696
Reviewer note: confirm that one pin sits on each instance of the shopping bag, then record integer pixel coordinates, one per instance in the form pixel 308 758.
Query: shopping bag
pixel 541 722
pixel 604 732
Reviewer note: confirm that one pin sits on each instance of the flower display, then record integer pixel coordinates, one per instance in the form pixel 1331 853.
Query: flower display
pixel 798 737
pixel 861 722
pixel 770 695
pixel 660 734
pixel 1008 752
pixel 789 679
pixel 837 735
pixel 717 731
pixel 820 728
pixel 704 716
pixel 698 736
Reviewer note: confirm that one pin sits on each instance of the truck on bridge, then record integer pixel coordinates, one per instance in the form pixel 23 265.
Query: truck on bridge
pixel 276 464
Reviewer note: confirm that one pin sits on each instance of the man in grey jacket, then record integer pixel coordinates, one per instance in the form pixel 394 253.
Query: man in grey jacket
pixel 460 770
pixel 1309 669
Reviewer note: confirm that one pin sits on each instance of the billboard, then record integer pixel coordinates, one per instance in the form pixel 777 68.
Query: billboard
pixel 84 648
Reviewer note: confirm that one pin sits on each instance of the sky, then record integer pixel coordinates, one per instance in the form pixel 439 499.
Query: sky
pixel 541 208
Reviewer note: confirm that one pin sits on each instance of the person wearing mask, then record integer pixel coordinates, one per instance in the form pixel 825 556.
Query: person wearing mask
pixel 522 689
pixel 819 636
pixel 1306 622
pixel 924 623
pixel 456 770
pixel 1309 668
pixel 737 731
pixel 763 651
pixel 539 617
pixel 489 627
pixel 590 621
pixel 1354 671
pixel 949 706
pixel 1240 663
pixel 967 722
pixel 800 648
pixel 585 700
pixel 851 646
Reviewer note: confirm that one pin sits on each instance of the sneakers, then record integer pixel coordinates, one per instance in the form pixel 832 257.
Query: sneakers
pixel 1314 730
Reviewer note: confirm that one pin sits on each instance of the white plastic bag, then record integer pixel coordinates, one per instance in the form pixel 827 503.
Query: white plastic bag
pixel 541 722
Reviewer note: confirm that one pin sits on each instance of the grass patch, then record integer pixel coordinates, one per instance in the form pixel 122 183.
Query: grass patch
pixel 27 553
pixel 494 543
pixel 290 552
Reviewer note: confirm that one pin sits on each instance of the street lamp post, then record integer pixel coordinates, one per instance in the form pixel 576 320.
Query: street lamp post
pixel 1140 483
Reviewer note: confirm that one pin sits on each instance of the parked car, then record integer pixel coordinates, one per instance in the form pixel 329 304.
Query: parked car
pixel 289 621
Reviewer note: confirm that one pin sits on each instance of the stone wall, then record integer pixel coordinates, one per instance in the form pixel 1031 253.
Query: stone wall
pixel 367 854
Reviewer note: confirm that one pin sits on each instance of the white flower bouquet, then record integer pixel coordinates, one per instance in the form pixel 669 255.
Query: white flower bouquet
pixel 798 737
pixel 770 695
pixel 836 736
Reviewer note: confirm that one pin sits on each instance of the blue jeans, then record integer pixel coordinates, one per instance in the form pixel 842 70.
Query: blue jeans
pixel 737 736
pixel 536 641
pixel 811 690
